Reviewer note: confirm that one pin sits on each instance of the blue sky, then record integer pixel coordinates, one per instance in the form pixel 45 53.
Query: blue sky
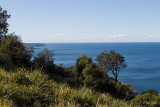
pixel 74 21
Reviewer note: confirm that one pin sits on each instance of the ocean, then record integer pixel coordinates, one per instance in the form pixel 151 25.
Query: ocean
pixel 143 60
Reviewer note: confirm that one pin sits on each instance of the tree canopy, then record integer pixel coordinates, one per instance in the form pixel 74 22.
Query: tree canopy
pixel 93 76
pixel 12 50
pixel 81 62
pixel 3 22
pixel 111 62
pixel 44 60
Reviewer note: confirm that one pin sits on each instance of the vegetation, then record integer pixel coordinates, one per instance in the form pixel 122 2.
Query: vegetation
pixel 12 50
pixel 44 61
pixel 93 77
pixel 81 63
pixel 3 22
pixel 34 88
pixel 40 82
pixel 149 98
pixel 111 62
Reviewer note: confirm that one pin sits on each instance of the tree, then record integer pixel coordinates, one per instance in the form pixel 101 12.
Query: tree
pixel 111 62
pixel 45 60
pixel 81 63
pixel 12 50
pixel 3 22
pixel 93 76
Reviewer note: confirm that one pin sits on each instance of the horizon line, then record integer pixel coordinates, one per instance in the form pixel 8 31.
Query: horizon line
pixel 88 42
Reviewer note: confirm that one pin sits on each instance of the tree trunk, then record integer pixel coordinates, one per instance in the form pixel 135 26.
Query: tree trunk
pixel 116 79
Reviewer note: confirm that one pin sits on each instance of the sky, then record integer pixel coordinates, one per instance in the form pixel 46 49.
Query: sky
pixel 81 21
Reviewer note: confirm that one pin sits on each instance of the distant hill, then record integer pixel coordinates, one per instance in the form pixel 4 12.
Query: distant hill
pixel 34 45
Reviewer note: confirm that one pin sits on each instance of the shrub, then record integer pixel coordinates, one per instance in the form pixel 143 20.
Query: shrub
pixel 72 71
pixel 59 70
pixel 148 98
pixel 12 50
pixel 81 63
pixel 93 77
pixel 6 103
pixel 44 61
pixel 154 92
pixel 42 92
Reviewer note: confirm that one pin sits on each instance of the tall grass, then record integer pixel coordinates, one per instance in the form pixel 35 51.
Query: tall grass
pixel 33 88
pixel 5 103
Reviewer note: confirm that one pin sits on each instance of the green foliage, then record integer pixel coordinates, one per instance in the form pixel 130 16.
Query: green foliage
pixel 59 70
pixel 90 75
pixel 125 91
pixel 12 50
pixel 111 62
pixel 5 103
pixel 93 77
pixel 25 88
pixel 117 89
pixel 148 98
pixel 81 63
pixel 154 92
pixel 72 71
pixel 44 61
pixel 3 22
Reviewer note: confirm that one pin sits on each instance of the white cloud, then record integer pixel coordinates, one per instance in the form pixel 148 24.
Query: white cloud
pixel 152 36
pixel 64 34
pixel 61 34
pixel 139 34
pixel 82 38
pixel 118 36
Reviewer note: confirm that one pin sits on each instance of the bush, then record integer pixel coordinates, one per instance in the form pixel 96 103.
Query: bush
pixel 59 70
pixel 24 88
pixel 93 77
pixel 12 50
pixel 154 92
pixel 72 71
pixel 5 103
pixel 125 91
pixel 148 98
pixel 81 63
pixel 44 61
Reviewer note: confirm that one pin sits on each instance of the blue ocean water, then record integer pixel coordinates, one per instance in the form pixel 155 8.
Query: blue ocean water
pixel 143 60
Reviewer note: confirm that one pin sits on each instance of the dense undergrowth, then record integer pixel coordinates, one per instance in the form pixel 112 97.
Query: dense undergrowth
pixel 34 88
